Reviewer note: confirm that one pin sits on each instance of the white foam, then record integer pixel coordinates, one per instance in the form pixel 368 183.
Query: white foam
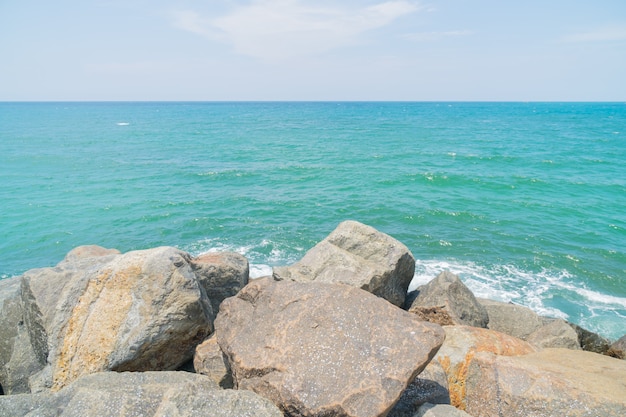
pixel 260 270
pixel 122 123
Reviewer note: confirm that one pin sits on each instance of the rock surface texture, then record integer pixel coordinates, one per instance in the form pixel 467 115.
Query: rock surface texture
pixel 129 394
pixel 143 310
pixel 552 382
pixel 221 275
pixel 462 344
pixel 209 360
pixel 512 319
pixel 618 348
pixel 358 255
pixel 318 349
pixel 446 300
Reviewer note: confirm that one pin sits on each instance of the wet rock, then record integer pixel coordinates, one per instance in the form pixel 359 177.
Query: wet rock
pixel 360 256
pixel 590 341
pixel 551 382
pixel 446 300
pixel 319 349
pixel 221 275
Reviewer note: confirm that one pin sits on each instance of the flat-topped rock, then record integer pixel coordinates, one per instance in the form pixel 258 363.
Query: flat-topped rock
pixel 358 255
pixel 317 349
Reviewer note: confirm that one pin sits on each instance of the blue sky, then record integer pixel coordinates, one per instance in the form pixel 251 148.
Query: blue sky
pixel 313 50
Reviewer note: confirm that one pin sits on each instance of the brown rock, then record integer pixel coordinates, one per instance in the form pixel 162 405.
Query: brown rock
pixel 360 256
pixel 552 382
pixel 318 349
pixel 447 300
pixel 618 348
pixel 431 386
pixel 221 274
pixel 462 344
pixel 209 360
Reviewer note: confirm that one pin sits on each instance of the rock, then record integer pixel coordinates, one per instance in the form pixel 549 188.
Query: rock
pixel 221 274
pixel 319 349
pixel 126 394
pixel 209 360
pixel 360 256
pixel 552 382
pixel 556 334
pixel 447 300
pixel 88 251
pixel 431 386
pixel 462 344
pixel 17 358
pixel 590 341
pixel 439 410
pixel 143 310
pixel 512 319
pixel 618 348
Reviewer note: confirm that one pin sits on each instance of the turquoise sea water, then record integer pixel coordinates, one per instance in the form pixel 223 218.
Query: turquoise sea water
pixel 525 201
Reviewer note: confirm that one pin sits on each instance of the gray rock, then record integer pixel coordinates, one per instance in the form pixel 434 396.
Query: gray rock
pixel 618 348
pixel 590 341
pixel 556 334
pixel 439 410
pixel 551 382
pixel 17 358
pixel 431 386
pixel 446 300
pixel 360 256
pixel 143 310
pixel 512 319
pixel 320 349
pixel 159 394
pixel 221 275
pixel 209 360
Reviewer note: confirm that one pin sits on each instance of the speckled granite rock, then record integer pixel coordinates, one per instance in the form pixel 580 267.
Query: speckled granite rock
pixel 318 349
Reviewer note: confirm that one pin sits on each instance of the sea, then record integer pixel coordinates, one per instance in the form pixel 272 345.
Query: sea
pixel 526 202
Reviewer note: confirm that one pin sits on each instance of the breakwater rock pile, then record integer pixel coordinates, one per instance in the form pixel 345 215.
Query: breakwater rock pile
pixel 158 332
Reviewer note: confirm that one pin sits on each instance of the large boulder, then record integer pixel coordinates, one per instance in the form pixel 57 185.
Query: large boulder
pixel 447 301
pixel 512 319
pixel 552 382
pixel 17 358
pixel 439 410
pixel 126 394
pixel 319 349
pixel 360 256
pixel 143 310
pixel 590 341
pixel 221 274
pixel 462 344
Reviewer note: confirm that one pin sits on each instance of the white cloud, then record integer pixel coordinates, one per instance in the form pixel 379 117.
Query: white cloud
pixel 607 34
pixel 290 28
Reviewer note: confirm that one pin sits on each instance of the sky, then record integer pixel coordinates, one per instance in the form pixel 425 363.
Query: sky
pixel 222 50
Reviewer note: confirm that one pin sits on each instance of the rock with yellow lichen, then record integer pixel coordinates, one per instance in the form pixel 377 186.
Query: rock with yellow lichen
pixel 139 311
